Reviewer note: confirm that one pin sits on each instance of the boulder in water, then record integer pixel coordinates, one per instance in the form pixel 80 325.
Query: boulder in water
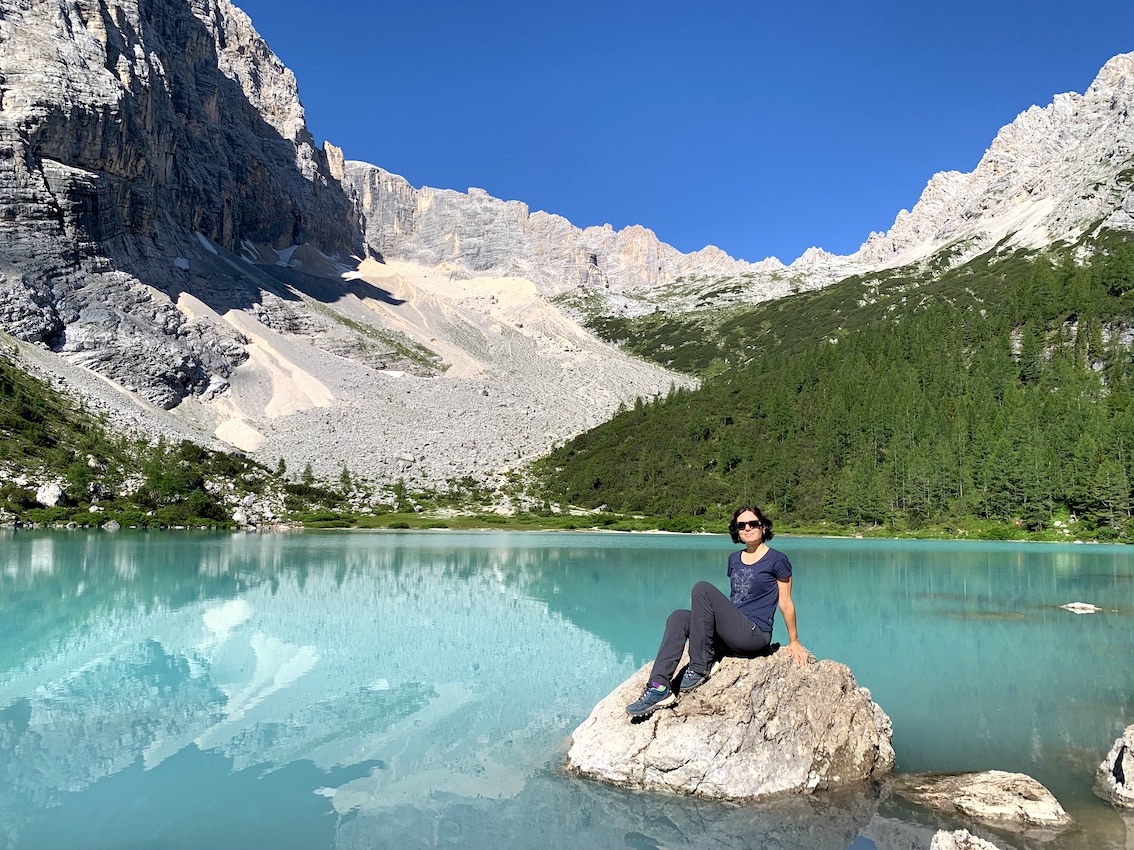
pixel 992 797
pixel 1115 777
pixel 759 727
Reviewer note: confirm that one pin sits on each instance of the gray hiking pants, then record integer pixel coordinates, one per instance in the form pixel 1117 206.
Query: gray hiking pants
pixel 714 627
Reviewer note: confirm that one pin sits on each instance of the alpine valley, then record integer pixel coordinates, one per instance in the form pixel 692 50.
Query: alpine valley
pixel 181 261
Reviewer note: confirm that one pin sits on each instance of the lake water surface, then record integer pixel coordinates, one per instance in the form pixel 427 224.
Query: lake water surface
pixel 417 689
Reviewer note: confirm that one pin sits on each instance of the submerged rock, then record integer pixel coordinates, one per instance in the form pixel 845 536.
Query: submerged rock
pixel 1115 777
pixel 757 728
pixel 994 796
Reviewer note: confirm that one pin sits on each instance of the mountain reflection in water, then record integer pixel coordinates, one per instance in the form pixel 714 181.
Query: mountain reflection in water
pixel 370 690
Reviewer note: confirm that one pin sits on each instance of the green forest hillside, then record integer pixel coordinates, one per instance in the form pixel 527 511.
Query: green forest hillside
pixel 999 393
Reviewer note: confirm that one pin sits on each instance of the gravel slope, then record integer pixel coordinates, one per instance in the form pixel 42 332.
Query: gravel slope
pixel 519 376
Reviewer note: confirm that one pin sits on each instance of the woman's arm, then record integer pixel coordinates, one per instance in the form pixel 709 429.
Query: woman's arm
pixel 794 648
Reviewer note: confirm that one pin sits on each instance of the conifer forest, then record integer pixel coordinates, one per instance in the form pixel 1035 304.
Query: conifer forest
pixel 999 390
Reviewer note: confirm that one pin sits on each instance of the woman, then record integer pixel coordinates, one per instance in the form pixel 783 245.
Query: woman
pixel 717 625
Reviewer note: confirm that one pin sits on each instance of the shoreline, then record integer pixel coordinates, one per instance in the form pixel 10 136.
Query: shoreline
pixel 434 525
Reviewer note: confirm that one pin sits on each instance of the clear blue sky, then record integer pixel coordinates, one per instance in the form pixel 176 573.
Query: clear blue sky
pixel 762 128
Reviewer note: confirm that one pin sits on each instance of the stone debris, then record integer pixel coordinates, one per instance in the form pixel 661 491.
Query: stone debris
pixel 758 728
pixel 49 494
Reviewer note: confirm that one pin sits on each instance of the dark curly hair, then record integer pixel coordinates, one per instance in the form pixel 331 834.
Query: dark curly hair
pixel 764 521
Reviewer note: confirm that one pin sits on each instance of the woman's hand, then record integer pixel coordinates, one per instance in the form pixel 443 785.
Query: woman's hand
pixel 798 653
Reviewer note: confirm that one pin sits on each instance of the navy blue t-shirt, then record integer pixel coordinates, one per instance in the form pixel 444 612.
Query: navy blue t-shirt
pixel 754 586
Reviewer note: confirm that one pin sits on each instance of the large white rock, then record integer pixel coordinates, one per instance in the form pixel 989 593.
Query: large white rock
pixel 759 727
pixel 1115 777
pixel 49 494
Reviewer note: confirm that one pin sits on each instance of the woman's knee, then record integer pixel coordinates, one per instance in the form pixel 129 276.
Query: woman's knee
pixel 703 588
pixel 679 618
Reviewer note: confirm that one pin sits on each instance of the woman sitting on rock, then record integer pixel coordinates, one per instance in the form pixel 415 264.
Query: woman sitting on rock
pixel 717 625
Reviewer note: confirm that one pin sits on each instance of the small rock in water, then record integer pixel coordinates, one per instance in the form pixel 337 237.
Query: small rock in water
pixel 993 796
pixel 1081 608
pixel 112 525
pixel 962 839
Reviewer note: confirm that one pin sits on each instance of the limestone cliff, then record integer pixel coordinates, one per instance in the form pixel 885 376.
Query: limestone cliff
pixel 481 234
pixel 126 131
pixel 167 222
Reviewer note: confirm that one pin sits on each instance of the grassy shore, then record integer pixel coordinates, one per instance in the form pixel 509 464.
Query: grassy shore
pixel 477 517
pixel 614 522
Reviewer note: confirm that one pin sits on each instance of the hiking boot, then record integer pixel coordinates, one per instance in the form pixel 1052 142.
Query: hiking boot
pixel 691 678
pixel 655 696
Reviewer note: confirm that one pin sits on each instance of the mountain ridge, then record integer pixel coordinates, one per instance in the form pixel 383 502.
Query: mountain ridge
pixel 1030 210
pixel 169 225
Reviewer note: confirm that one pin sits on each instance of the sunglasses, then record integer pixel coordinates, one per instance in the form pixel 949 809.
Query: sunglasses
pixel 742 524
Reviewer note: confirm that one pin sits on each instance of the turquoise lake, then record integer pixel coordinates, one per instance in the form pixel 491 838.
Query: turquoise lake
pixel 417 689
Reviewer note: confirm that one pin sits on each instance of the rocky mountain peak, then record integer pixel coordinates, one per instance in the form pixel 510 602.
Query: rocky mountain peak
pixel 1047 176
pixel 480 233
pixel 245 57
pixel 167 222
